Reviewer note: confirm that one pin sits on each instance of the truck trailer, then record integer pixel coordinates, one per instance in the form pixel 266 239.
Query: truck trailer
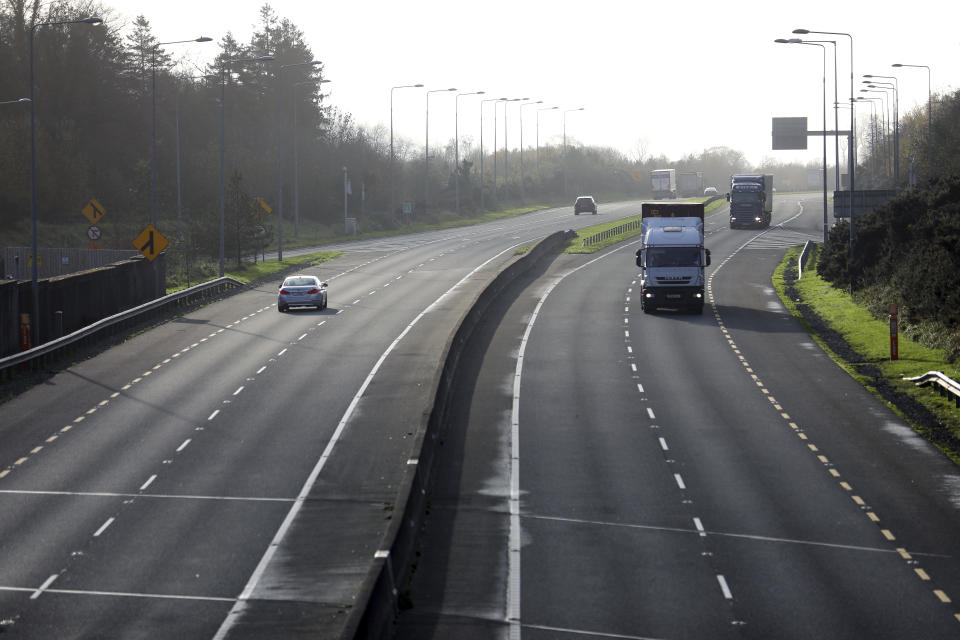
pixel 672 256
pixel 690 183
pixel 751 200
pixel 663 183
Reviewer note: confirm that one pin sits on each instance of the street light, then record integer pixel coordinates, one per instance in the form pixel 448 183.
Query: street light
pixel 563 156
pixel 426 151
pixel 223 96
pixel 177 120
pixel 539 177
pixel 403 86
pixel 456 138
pixel 896 119
pixel 495 142
pixel 851 169
pixel 525 104
pixel 280 71
pixel 824 101
pixel 153 121
pixel 874 132
pixel 34 272
pixel 888 100
pixel 929 114
pixel 482 102
pixel 296 157
pixel 506 147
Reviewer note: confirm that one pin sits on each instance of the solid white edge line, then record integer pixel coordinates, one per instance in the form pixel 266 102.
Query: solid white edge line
pixel 321 463
pixel 515 538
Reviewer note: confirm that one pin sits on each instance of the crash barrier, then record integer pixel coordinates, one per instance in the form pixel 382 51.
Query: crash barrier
pixel 619 230
pixel 626 227
pixel 804 256
pixel 40 357
pixel 944 385
pixel 378 602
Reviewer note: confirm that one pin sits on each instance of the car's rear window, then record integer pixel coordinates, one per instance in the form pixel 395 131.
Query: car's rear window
pixel 298 282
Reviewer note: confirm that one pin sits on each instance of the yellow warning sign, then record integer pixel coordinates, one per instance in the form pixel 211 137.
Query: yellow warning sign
pixel 93 211
pixel 150 242
pixel 263 205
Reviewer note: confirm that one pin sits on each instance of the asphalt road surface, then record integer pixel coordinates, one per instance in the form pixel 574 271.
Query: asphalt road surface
pixel 169 486
pixel 612 474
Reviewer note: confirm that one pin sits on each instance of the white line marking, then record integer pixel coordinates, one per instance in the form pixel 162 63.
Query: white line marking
pixel 699 526
pixel 120 594
pixel 634 367
pixel 328 452
pixel 184 445
pixel 679 480
pixel 724 587
pixel 261 370
pixel 149 482
pixel 650 413
pixel 163 496
pixel 301 337
pixel 103 527
pixel 239 389
pixel 213 415
pixel 282 351
pixel 639 387
pixel 43 587
pixel 663 444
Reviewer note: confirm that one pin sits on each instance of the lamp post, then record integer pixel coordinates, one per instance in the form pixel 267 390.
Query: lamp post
pixel 852 166
pixel 506 147
pixel 177 120
pixel 402 86
pixel 154 218
pixel 456 139
pixel 34 258
pixel 563 155
pixel 525 104
pixel 874 133
pixel 929 114
pixel 426 151
pixel 887 101
pixel 824 104
pixel 482 184
pixel 539 177
pixel 280 71
pixel 223 94
pixel 296 157
pixel 896 119
pixel 495 142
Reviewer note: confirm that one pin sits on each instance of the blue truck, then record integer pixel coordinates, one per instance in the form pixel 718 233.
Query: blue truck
pixel 751 200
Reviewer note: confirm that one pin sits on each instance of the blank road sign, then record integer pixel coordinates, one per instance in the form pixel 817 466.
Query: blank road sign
pixel 789 133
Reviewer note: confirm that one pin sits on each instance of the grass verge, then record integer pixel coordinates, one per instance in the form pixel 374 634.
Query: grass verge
pixel 860 344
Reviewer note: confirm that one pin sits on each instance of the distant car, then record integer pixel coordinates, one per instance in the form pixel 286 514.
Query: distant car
pixel 585 204
pixel 710 191
pixel 302 291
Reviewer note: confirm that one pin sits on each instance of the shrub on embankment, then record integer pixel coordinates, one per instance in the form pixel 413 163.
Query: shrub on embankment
pixel 906 252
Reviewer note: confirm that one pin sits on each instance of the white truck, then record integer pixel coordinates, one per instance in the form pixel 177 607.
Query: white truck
pixel 663 183
pixel 672 256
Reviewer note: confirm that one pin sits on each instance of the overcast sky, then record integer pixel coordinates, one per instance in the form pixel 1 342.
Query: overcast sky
pixel 671 78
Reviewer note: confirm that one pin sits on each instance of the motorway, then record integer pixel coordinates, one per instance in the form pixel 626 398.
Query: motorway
pixel 228 474
pixel 613 474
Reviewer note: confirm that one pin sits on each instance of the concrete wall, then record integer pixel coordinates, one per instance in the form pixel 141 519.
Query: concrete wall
pixel 83 298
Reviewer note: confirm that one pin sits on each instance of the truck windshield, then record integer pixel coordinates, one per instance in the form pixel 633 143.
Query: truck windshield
pixel 673 257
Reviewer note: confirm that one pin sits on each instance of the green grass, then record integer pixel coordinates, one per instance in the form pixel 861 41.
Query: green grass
pixel 576 244
pixel 870 337
pixel 253 272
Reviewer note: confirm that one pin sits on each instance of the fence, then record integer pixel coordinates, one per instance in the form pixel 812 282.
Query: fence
pixel 17 263
pixel 619 230
pixel 945 385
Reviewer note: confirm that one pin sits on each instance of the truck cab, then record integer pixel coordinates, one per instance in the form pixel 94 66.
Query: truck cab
pixel 672 257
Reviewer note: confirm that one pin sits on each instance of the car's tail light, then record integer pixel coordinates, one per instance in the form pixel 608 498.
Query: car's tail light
pixel 284 292
pixel 313 291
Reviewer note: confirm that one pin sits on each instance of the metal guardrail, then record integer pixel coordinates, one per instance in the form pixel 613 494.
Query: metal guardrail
pixel 804 256
pixel 619 230
pixel 945 385
pixel 188 297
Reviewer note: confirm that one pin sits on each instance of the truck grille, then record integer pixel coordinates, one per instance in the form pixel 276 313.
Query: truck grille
pixel 673 280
